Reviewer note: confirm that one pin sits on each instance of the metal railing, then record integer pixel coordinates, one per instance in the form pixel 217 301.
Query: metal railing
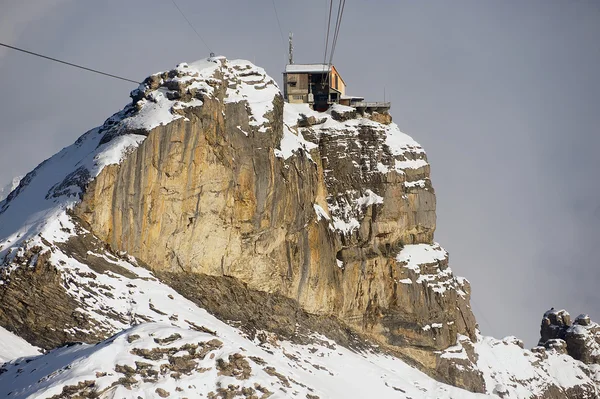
pixel 364 104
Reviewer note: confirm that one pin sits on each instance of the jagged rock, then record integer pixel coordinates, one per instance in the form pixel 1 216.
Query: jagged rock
pixel 307 121
pixel 557 344
pixel 583 320
pixel 501 390
pixel 237 367
pixel 581 340
pixel 526 374
pixel 342 113
pixel 385 118
pixel 28 294
pixel 554 324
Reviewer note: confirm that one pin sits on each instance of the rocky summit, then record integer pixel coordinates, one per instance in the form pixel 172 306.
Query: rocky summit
pixel 211 240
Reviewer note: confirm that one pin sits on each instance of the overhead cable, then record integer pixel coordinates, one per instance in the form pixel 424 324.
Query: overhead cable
pixel 328 29
pixel 70 64
pixel 191 26
pixel 337 29
pixel 279 24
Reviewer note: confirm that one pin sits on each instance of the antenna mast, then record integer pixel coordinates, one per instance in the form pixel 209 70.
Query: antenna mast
pixel 291 50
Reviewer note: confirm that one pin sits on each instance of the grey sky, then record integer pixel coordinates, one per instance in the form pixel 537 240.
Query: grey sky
pixel 503 95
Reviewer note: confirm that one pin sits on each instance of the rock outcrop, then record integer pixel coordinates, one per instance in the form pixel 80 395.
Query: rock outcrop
pixel 506 369
pixel 581 340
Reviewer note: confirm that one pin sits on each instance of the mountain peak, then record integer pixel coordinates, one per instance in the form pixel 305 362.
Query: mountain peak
pixel 210 199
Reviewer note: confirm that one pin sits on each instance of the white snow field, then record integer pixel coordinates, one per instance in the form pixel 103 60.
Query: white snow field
pixel 12 347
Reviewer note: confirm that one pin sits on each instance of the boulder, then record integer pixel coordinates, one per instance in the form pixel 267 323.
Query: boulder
pixel 554 324
pixel 581 340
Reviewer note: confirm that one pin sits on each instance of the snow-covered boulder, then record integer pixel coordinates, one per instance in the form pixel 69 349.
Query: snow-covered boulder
pixel 581 339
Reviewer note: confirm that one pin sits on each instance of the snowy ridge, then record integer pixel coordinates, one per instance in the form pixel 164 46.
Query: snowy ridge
pixel 186 351
pixel 153 360
pixel 38 205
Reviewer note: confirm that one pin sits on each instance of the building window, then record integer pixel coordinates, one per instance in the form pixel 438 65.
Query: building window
pixel 336 82
pixel 292 84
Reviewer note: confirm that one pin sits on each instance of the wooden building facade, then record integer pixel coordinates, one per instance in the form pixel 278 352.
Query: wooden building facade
pixel 321 85
pixel 317 84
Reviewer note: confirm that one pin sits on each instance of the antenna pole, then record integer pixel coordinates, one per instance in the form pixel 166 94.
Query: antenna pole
pixel 291 50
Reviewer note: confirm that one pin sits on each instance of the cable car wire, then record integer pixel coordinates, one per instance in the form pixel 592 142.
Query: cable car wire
pixel 279 25
pixel 337 29
pixel 191 26
pixel 70 64
pixel 328 29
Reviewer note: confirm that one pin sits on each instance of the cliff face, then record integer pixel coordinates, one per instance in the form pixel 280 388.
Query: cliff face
pixel 333 210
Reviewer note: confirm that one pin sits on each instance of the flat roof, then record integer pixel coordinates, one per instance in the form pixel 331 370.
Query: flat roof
pixel 348 97
pixel 307 68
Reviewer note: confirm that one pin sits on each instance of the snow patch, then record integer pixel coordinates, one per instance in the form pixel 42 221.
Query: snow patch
pixel 254 87
pixel 414 255
pixel 292 143
pixel 321 214
pixel 369 198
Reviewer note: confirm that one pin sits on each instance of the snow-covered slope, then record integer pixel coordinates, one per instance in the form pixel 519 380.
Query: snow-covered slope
pixel 514 372
pixel 181 346
pixel 153 359
pixel 12 347
pixel 186 352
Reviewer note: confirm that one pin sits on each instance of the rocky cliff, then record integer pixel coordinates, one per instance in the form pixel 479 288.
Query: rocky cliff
pixel 338 215
pixel 268 215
